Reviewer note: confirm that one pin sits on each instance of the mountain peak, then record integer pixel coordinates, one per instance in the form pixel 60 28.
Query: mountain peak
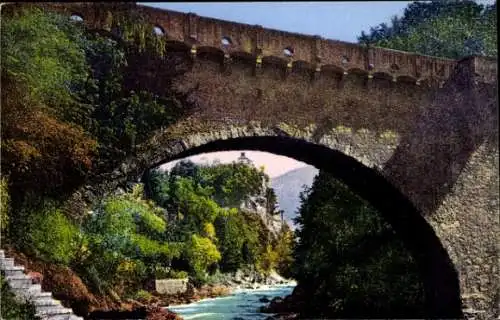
pixel 288 187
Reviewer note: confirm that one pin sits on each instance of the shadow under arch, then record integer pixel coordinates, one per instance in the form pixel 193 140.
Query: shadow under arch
pixel 438 274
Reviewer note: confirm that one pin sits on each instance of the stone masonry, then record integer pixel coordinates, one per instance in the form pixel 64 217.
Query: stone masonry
pixel 26 291
pixel 416 136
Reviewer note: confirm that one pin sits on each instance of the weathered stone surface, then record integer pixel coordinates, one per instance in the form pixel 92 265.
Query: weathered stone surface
pixel 171 286
pixel 426 157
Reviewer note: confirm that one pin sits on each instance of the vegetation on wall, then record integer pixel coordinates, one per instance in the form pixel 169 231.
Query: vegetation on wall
pixel 68 110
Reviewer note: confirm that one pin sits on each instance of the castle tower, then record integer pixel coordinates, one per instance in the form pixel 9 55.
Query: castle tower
pixel 243 159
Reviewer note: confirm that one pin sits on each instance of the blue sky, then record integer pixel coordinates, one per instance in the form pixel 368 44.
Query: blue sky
pixel 335 20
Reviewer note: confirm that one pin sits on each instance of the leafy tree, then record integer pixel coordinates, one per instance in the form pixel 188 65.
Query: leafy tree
pixel 186 169
pixel 43 70
pixel 158 187
pixel 349 258
pixel 271 202
pixel 201 252
pixel 125 229
pixel 283 247
pixel 44 52
pixel 231 239
pixel 452 29
pixel 67 95
pixel 233 183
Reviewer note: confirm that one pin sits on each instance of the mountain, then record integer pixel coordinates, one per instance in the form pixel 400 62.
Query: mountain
pixel 288 187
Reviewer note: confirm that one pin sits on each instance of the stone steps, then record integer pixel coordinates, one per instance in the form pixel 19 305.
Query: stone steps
pixel 23 288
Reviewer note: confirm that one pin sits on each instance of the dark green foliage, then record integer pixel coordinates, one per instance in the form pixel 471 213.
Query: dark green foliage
pixel 349 258
pixel 122 117
pixel 45 51
pixel 233 183
pixel 229 231
pixel 452 29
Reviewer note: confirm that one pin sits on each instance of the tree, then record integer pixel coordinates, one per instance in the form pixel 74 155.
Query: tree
pixel 124 229
pixel 231 240
pixel 158 187
pixel 271 202
pixel 185 169
pixel 452 29
pixel 349 258
pixel 233 183
pixel 201 253
pixel 283 247
pixel 44 149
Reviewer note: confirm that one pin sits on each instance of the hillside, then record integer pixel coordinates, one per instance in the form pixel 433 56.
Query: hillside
pixel 288 187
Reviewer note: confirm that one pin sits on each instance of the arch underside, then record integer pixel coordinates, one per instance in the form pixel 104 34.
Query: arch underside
pixel 438 273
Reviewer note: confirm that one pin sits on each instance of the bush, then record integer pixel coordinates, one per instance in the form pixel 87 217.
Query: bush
pixel 4 204
pixel 143 295
pixel 173 274
pixel 51 235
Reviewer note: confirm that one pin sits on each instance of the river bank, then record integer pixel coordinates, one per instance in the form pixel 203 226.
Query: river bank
pixel 242 304
pixel 225 285
pixel 69 288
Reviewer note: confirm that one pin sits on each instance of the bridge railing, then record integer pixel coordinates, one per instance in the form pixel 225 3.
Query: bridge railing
pixel 256 42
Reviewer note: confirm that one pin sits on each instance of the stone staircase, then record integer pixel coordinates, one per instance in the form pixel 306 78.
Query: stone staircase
pixel 23 288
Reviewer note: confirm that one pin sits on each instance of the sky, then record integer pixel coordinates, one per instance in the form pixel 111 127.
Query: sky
pixel 333 20
pixel 274 165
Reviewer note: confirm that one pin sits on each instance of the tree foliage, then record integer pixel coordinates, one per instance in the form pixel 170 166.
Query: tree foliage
pixel 67 97
pixel 201 252
pixel 43 70
pixel 233 183
pixel 205 201
pixel 125 234
pixel 347 256
pixel 452 29
pixel 51 235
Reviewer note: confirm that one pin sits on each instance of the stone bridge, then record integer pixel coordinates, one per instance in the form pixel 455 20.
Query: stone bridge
pixel 417 136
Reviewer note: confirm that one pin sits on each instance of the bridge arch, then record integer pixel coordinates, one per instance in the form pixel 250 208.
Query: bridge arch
pixel 364 176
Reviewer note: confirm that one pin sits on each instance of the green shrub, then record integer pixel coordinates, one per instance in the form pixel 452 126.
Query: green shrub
pixel 143 295
pixel 201 253
pixel 4 204
pixel 51 235
pixel 173 274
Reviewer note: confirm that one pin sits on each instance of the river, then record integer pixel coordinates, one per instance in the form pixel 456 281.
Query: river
pixel 242 304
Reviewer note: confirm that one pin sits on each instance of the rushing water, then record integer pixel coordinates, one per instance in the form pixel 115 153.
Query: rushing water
pixel 242 304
